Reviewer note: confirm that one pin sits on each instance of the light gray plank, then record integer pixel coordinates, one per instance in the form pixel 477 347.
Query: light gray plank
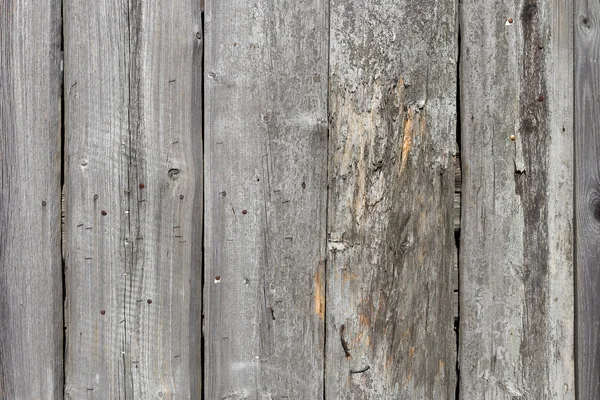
pixel 266 158
pixel 390 217
pixel 31 297
pixel 134 153
pixel 587 125
pixel 516 254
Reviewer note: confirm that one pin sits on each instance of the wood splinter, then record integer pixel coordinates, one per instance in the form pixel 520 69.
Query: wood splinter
pixel 360 371
pixel 344 342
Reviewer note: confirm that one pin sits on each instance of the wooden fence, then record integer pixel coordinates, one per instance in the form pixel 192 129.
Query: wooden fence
pixel 306 199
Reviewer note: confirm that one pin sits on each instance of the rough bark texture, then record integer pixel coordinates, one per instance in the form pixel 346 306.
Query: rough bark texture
pixel 133 199
pixel 587 182
pixel 391 192
pixel 30 204
pixel 266 163
pixel 516 236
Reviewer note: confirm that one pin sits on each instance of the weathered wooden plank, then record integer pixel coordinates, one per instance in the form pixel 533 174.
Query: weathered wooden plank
pixel 266 167
pixel 516 254
pixel 31 298
pixel 390 216
pixel 587 189
pixel 133 199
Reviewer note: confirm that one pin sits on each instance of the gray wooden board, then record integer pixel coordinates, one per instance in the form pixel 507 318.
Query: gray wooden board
pixel 266 167
pixel 390 232
pixel 587 180
pixel 31 298
pixel 516 252
pixel 134 153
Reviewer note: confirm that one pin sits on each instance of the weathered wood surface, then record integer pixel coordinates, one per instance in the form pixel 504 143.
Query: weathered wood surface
pixel 587 187
pixel 266 168
pixel 390 215
pixel 516 254
pixel 133 199
pixel 31 298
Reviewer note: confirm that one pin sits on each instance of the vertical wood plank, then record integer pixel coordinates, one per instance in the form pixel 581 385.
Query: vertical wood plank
pixel 266 158
pixel 133 199
pixel 31 298
pixel 391 193
pixel 516 251
pixel 587 187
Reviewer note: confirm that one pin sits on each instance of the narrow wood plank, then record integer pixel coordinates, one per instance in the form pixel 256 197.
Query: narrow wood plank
pixel 516 254
pixel 133 199
pixel 31 298
pixel 587 186
pixel 266 167
pixel 390 218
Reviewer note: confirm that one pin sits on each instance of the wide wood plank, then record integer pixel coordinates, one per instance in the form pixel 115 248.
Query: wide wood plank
pixel 266 167
pixel 31 298
pixel 516 252
pixel 391 193
pixel 587 186
pixel 133 199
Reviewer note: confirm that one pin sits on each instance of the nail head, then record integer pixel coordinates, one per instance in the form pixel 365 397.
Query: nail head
pixel 102 312
pixel 103 212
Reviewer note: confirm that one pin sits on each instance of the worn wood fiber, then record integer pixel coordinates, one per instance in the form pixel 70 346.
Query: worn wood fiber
pixel 587 186
pixel 392 104
pixel 133 174
pixel 266 168
pixel 31 298
pixel 516 253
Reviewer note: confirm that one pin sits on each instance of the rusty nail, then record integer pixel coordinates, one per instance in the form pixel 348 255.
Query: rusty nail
pixel 218 278
pixel 142 186
pixel 103 212
pixel 180 197
pixel 513 137
pixel 541 98
pixel 149 301
pixel 510 20
pixel 244 212
pixel 102 312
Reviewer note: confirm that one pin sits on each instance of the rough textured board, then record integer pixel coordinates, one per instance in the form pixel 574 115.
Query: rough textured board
pixel 516 254
pixel 134 153
pixel 587 186
pixel 30 258
pixel 390 216
pixel 266 141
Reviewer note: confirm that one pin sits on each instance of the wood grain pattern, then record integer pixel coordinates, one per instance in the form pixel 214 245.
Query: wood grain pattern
pixel 587 187
pixel 516 251
pixel 31 298
pixel 133 199
pixel 390 216
pixel 266 166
